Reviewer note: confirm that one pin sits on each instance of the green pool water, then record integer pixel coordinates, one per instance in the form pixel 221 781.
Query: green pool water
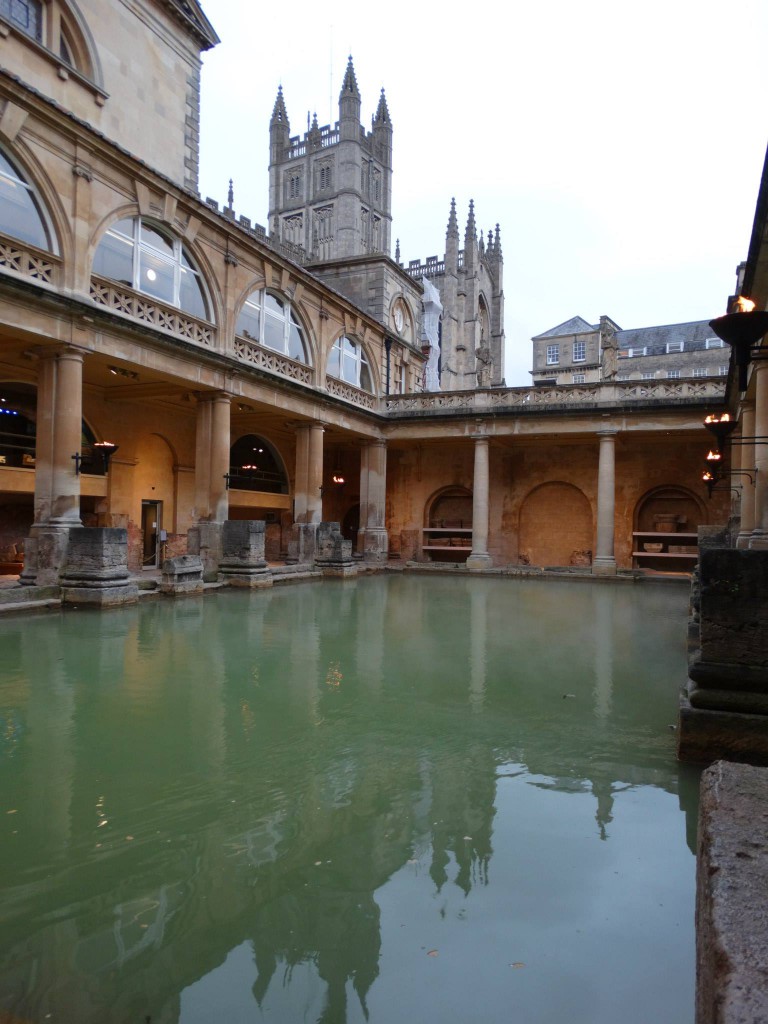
pixel 392 799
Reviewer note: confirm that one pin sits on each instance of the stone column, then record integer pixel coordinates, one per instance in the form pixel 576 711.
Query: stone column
pixel 315 474
pixel 604 562
pixel 57 485
pixel 307 496
pixel 747 462
pixel 479 558
pixel 759 538
pixel 300 493
pixel 211 467
pixel 373 498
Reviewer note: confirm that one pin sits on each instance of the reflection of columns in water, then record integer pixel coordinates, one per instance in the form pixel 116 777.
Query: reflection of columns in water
pixel 50 756
pixel 303 650
pixel 479 558
pixel 747 462
pixel 759 537
pixel 369 633
pixel 604 651
pixel 478 626
pixel 604 563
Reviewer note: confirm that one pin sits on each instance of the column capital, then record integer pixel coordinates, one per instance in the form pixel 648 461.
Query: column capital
pixel 213 396
pixel 607 432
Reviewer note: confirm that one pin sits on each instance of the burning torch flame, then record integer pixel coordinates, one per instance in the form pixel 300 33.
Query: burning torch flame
pixel 725 418
pixel 743 305
pixel 713 456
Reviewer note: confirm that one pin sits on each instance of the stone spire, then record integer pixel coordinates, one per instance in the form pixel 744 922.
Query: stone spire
pixel 497 245
pixel 279 129
pixel 397 252
pixel 481 245
pixel 349 105
pixel 453 224
pixel 470 237
pixel 230 194
pixel 382 112
pixel 279 113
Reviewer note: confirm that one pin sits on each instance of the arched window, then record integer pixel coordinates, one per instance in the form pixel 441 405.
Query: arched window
pixel 142 256
pixel 348 362
pixel 254 465
pixel 20 212
pixel 270 320
pixel 52 25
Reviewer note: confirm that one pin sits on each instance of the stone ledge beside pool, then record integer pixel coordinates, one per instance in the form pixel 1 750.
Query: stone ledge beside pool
pixel 731 904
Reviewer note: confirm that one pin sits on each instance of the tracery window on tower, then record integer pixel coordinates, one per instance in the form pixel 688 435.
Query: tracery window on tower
pixel 21 213
pixel 348 362
pixel 293 229
pixel 52 25
pixel 270 320
pixel 140 255
pixel 293 185
pixel 322 233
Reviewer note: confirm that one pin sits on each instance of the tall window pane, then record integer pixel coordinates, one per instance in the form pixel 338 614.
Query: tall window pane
pixel 19 214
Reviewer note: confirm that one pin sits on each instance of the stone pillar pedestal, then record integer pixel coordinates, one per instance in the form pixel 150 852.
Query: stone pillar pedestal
pixel 242 554
pixel 373 539
pixel 302 543
pixel 759 538
pixel 334 554
pixel 57 485
pixel 479 558
pixel 604 563
pixel 747 462
pixel 96 569
pixel 724 709
pixel 204 540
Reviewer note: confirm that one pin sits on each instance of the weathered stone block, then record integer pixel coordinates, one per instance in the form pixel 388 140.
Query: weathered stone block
pixel 734 607
pixel 334 554
pixel 302 543
pixel 732 880
pixel 182 575
pixel 242 561
pixel 96 569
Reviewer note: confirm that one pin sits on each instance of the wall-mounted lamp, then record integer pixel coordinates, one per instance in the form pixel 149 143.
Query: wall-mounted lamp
pixel 742 329
pixel 107 449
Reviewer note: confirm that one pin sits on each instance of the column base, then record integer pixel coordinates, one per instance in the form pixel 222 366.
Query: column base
pixel 302 544
pixel 45 554
pixel 758 541
pixel 375 545
pixel 603 566
pixel 204 540
pixel 478 563
pixel 742 541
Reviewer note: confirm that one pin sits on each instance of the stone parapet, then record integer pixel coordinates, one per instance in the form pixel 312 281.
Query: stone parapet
pixel 333 555
pixel 732 880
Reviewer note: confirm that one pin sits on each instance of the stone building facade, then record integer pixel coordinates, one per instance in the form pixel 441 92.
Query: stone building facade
pixel 166 368
pixel 576 352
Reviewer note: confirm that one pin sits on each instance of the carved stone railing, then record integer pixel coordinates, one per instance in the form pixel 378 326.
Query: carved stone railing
pixel 273 362
pixel 149 311
pixel 27 260
pixel 695 390
pixel 340 389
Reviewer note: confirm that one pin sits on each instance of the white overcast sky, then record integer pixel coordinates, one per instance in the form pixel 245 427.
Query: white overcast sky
pixel 619 145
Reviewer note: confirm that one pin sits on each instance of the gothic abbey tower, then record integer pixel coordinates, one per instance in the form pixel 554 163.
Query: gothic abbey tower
pixel 330 202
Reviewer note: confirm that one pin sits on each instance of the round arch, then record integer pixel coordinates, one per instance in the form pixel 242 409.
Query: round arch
pixel 297 309
pixel 45 198
pixel 408 327
pixel 200 264
pixel 555 526
pixel 669 505
pixel 255 464
pixel 449 507
pixel 372 363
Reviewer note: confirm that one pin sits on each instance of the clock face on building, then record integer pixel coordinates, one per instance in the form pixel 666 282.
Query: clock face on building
pixel 399 319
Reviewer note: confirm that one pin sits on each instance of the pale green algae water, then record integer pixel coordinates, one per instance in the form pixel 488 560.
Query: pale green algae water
pixel 351 800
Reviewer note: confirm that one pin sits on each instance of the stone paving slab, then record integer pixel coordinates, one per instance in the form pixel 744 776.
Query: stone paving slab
pixel 732 896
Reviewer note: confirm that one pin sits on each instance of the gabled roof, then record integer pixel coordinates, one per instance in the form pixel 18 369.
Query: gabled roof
pixel 576 325
pixel 688 333
pixel 191 15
